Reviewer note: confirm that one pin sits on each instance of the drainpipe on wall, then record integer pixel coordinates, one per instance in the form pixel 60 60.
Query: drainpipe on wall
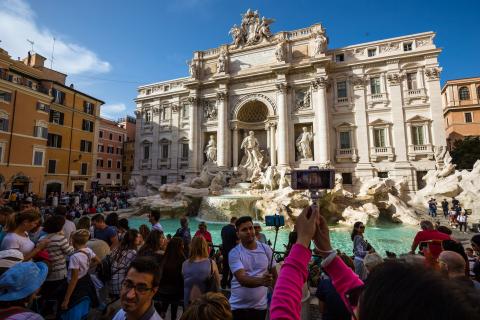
pixel 71 139
pixel 11 130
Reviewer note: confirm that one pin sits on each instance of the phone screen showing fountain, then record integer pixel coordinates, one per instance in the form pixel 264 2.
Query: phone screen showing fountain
pixel 313 179
pixel 275 221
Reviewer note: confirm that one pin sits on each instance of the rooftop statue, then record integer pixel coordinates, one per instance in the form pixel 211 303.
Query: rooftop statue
pixel 252 30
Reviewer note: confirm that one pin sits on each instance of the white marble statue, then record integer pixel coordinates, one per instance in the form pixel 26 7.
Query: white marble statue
pixel 280 52
pixel 252 30
pixel 270 179
pixel 211 150
pixel 222 62
pixel 252 158
pixel 303 143
pixel 193 68
pixel 319 44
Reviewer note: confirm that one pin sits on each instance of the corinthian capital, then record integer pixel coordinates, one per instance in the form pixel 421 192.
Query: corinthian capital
pixel 281 87
pixel 320 82
pixel 192 99
pixel 433 73
pixel 221 96
pixel 394 78
pixel 358 82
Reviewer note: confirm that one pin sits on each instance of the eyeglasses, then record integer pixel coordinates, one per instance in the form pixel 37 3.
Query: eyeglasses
pixel 139 288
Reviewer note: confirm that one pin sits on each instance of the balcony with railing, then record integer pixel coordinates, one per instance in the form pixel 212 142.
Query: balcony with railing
pixel 415 94
pixel 420 150
pixel 346 155
pixel 164 163
pixel 377 98
pixel 147 128
pixel 378 153
pixel 146 164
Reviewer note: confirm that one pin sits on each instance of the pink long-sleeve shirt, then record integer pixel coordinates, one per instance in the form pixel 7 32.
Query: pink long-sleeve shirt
pixel 287 296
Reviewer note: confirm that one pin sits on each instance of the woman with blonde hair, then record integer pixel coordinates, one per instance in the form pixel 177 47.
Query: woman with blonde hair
pixel 198 271
pixel 210 306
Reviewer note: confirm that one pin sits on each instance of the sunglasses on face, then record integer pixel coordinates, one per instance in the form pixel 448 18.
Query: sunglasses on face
pixel 139 288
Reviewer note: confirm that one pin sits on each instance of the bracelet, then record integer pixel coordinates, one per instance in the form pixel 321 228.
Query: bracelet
pixel 328 259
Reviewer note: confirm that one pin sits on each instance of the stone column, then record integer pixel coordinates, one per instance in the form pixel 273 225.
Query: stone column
pixel 363 138
pixel 193 134
pixel 235 146
pixel 322 148
pixel 282 109
pixel 436 112
pixel 222 132
pixel 273 160
pixel 396 101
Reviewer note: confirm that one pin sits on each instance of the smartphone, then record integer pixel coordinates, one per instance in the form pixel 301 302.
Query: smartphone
pixel 313 179
pixel 275 221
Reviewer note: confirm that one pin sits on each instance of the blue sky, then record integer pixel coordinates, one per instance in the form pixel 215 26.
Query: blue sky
pixel 109 48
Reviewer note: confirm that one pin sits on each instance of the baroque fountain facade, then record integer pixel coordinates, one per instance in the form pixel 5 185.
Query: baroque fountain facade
pixel 223 140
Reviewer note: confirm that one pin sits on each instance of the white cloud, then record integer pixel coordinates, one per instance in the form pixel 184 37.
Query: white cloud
pixel 113 111
pixel 17 22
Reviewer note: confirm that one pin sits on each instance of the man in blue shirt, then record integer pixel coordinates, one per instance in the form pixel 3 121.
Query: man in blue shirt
pixel 104 232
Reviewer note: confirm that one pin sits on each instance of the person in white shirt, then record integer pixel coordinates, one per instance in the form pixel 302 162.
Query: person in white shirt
pixel 154 218
pixel 69 226
pixel 252 273
pixel 78 278
pixel 138 288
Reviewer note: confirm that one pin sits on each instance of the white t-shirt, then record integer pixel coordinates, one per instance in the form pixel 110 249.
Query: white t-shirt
pixel 80 261
pixel 255 263
pixel 157 226
pixel 14 241
pixel 68 229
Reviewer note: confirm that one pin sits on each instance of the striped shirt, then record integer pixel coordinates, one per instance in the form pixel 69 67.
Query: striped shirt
pixel 58 248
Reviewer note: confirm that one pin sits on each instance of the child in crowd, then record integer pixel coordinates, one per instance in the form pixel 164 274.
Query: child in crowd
pixel 472 258
pixel 79 282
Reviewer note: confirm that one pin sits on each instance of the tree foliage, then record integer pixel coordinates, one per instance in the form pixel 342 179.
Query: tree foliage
pixel 466 152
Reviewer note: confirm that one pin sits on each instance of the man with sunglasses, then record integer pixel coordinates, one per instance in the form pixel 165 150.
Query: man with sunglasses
pixel 138 288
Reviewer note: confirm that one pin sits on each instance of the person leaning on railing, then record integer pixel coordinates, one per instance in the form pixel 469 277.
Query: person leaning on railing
pixel 394 290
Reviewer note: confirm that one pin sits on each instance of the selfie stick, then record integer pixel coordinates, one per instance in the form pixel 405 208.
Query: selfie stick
pixel 276 219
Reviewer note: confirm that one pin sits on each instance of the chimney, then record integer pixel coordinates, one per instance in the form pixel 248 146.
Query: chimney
pixel 34 60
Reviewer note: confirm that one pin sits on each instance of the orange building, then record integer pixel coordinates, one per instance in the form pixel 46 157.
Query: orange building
pixel 461 109
pixel 129 123
pixel 38 117
pixel 111 136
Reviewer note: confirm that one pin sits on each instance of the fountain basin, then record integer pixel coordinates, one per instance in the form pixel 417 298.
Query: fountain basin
pixel 223 207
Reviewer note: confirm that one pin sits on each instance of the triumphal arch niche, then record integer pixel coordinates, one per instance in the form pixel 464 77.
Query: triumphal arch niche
pixel 287 100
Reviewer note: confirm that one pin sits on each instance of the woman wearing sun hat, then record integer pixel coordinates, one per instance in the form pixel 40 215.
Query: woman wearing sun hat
pixel 18 287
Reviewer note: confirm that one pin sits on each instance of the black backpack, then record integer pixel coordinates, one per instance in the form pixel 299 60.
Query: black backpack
pixel 104 269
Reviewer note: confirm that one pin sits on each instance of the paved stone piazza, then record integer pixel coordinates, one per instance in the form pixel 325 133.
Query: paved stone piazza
pixel 370 109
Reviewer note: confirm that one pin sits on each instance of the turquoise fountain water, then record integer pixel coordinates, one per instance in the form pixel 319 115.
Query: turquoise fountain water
pixel 395 238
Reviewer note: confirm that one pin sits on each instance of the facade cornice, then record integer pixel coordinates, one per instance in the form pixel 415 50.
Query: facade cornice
pixel 27 90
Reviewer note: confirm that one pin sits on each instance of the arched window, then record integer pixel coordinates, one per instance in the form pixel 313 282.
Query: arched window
pixel 463 93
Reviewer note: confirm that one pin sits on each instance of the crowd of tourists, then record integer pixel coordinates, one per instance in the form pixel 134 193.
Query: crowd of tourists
pixel 456 215
pixel 55 265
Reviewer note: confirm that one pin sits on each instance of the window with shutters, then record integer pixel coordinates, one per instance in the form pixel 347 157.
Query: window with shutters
pixel 379 137
pixel 185 150
pixel 56 117
pixel 40 132
pixel 5 96
pixel 58 96
pixel 85 146
pixel 88 107
pixel 87 125
pixel 464 93
pixel 375 85
pixel 341 89
pixel 3 124
pixel 38 157
pixel 52 166
pixel 109 163
pixel 119 164
pixel 54 140
pixel 418 137
pixel 412 81
pixel 345 140
pixel 84 169
pixel 43 107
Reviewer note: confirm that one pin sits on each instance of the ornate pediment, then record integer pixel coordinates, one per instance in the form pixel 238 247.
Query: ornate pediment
pixel 418 118
pixel 379 122
pixel 252 30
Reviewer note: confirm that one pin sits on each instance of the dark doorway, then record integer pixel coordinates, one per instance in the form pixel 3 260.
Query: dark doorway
pixel 20 184
pixel 78 188
pixel 53 187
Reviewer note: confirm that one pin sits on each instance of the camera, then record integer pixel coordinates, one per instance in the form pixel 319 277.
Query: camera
pixel 313 179
pixel 275 221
